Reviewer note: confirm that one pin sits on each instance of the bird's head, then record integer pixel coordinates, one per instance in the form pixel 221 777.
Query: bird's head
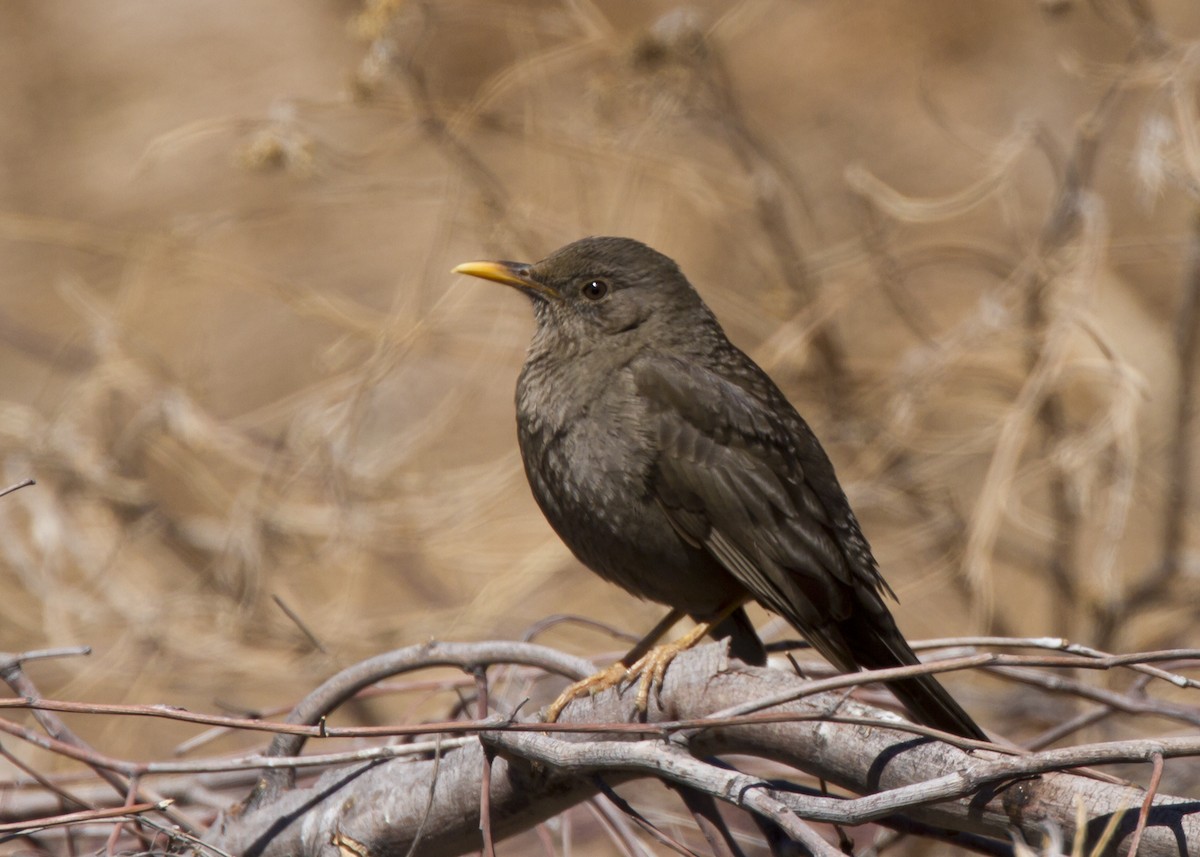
pixel 597 288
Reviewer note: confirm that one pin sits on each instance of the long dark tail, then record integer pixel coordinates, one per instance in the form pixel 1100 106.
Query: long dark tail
pixel 875 642
pixel 929 702
pixel 868 639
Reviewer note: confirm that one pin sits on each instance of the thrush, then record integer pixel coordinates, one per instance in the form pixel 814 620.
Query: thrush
pixel 670 464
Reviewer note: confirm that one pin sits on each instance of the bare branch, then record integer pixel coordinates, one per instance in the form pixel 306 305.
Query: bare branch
pixel 984 793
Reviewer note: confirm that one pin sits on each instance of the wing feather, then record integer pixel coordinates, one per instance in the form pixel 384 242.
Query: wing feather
pixel 730 479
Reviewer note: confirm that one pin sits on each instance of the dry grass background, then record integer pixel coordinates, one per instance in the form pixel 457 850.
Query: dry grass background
pixel 958 234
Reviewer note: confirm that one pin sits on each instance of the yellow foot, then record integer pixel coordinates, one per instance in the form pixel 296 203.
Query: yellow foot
pixel 603 680
pixel 651 667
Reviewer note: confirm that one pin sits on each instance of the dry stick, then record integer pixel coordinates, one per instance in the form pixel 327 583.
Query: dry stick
pixel 110 846
pixel 659 730
pixel 485 780
pixel 673 763
pixel 350 681
pixel 12 675
pixel 890 274
pixel 174 833
pixel 17 486
pixel 381 689
pixel 88 815
pixel 1069 727
pixel 772 216
pixel 1149 35
pixel 1188 714
pixel 1061 645
pixel 1144 814
pixel 543 625
pixel 617 826
pixel 952 539
pixel 433 780
pixel 313 640
pixel 891 674
pixel 643 822
pixel 976 771
pixel 69 837
pixel 710 823
pixel 768 172
pixel 544 839
pixel 438 655
pixel 208 792
pixel 252 762
pixel 42 781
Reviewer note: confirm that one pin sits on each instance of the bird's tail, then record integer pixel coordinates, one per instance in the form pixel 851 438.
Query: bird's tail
pixel 929 702
pixel 876 643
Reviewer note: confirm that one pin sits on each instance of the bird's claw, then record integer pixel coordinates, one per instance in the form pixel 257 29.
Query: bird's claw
pixel 650 670
pixel 603 680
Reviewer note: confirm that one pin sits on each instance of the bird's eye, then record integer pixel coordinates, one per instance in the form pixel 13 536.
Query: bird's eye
pixel 595 289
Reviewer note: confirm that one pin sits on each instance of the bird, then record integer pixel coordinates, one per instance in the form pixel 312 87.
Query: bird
pixel 672 465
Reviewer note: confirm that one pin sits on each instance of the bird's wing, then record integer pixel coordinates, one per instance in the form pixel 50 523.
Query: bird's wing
pixel 740 473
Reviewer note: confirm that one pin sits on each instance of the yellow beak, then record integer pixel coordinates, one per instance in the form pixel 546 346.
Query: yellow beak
pixel 513 274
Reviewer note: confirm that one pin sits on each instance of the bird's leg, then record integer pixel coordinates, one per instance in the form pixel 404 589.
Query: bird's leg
pixel 645 660
pixel 616 673
pixel 652 666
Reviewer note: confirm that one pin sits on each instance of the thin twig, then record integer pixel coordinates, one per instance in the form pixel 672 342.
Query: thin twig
pixel 1144 814
pixel 644 823
pixel 299 623
pixel 63 736
pixel 121 812
pixel 16 487
pixel 485 780
pixel 433 781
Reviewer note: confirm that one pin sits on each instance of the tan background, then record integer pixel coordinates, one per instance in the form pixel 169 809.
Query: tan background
pixel 235 360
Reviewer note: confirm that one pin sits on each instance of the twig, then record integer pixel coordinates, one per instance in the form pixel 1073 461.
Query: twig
pixel 349 682
pixel 114 835
pixel 17 486
pixel 299 623
pixel 58 731
pixel 1144 814
pixel 1062 645
pixel 616 825
pixel 464 654
pixel 644 823
pixel 710 823
pixel 101 762
pixel 49 786
pixel 485 780
pixel 433 781
pixel 540 627
pixel 670 762
pixel 1117 701
pixel 1069 727
pixel 120 812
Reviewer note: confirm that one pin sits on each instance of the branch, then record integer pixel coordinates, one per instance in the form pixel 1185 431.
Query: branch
pixel 534 776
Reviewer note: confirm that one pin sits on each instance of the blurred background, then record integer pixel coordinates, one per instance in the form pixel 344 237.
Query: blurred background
pixel 961 236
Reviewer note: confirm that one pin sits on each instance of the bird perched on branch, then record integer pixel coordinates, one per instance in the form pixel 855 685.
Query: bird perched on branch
pixel 671 465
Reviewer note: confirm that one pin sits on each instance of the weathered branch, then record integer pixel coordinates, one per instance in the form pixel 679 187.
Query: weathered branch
pixel 383 807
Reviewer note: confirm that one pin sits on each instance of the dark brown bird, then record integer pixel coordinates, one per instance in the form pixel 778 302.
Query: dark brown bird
pixel 671 465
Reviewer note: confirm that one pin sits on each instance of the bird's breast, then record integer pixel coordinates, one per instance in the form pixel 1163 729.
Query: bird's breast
pixel 589 454
pixel 586 450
